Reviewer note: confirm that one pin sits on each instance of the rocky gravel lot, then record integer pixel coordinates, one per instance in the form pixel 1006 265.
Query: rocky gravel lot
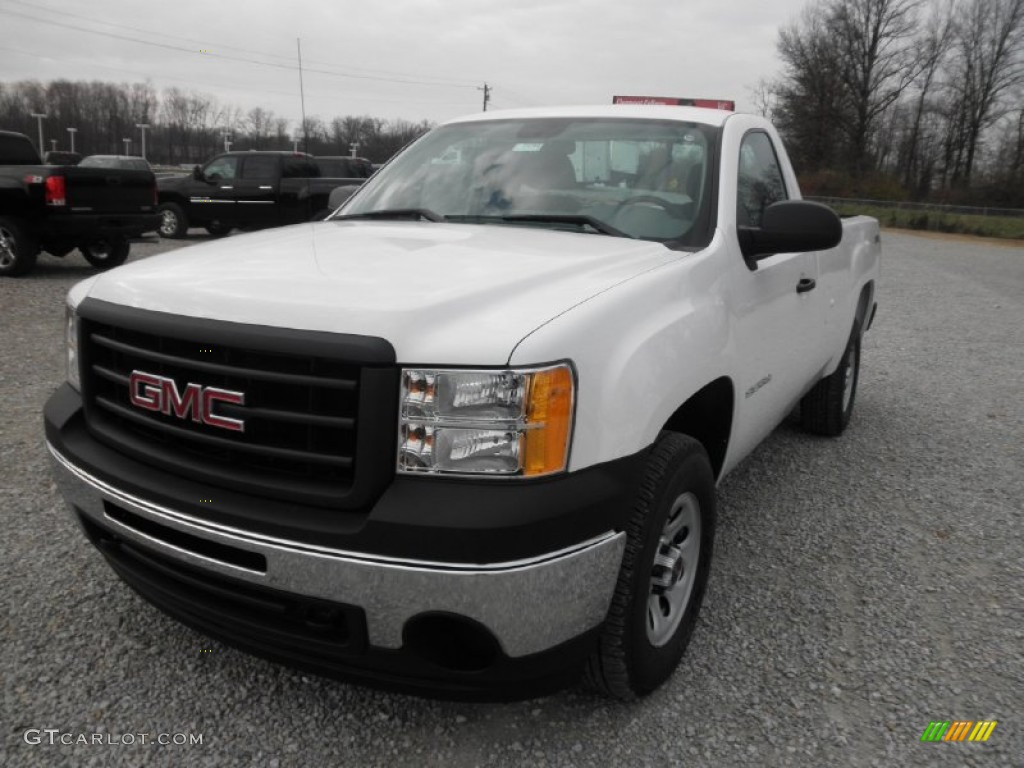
pixel 862 587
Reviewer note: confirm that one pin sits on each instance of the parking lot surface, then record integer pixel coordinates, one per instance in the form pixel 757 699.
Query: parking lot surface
pixel 862 587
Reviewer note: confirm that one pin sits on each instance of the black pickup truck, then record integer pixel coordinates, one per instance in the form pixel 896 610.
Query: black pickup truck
pixel 56 208
pixel 248 190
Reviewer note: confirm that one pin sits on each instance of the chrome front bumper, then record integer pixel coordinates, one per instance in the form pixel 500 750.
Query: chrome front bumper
pixel 529 605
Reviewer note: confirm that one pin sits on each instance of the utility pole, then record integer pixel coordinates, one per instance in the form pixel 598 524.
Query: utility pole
pixel 487 94
pixel 302 97
pixel 142 127
pixel 72 131
pixel 40 116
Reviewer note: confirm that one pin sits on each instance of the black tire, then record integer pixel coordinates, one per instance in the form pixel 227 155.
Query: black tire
pixel 631 659
pixel 826 409
pixel 219 228
pixel 18 250
pixel 106 254
pixel 173 222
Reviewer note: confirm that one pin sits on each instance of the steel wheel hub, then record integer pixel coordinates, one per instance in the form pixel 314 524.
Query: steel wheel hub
pixel 674 570
pixel 6 248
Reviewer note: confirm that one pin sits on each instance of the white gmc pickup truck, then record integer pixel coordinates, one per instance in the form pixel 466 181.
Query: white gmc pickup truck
pixel 463 436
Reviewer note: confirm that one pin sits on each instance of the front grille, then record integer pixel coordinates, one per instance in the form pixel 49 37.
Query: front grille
pixel 301 411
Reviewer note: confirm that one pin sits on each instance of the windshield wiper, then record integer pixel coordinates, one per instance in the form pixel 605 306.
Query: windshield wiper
pixel 394 213
pixel 569 218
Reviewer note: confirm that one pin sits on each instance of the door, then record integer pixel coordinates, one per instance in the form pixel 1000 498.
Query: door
pixel 213 199
pixel 256 190
pixel 779 315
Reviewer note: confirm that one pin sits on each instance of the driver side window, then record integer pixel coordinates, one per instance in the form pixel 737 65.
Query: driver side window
pixel 221 168
pixel 760 180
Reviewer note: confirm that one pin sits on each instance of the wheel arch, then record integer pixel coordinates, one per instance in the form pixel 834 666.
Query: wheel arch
pixel 167 196
pixel 707 416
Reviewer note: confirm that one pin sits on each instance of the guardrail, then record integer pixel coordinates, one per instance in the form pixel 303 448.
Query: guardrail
pixel 903 205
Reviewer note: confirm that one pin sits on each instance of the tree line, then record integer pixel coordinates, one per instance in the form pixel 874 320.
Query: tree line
pixel 185 127
pixel 904 99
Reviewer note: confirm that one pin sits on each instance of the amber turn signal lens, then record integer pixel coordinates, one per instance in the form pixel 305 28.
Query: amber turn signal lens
pixel 548 421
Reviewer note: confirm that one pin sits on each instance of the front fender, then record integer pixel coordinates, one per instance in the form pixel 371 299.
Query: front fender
pixel 641 349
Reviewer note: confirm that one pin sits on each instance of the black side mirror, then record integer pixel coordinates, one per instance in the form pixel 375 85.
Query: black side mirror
pixel 197 173
pixel 791 226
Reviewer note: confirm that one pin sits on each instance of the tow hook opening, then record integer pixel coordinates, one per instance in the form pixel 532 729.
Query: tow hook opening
pixel 452 642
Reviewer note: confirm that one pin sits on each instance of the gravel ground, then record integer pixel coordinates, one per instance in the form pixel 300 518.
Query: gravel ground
pixel 862 586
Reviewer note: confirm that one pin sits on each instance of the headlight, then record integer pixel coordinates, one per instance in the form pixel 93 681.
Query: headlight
pixel 71 346
pixel 486 422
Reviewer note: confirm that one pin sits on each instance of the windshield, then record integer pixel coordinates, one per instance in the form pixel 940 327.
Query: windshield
pixel 646 179
pixel 115 161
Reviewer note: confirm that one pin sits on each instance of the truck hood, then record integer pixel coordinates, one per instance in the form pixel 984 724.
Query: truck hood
pixel 440 293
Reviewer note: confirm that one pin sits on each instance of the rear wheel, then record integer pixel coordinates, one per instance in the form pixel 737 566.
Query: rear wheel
pixel 664 572
pixel 18 251
pixel 106 254
pixel 827 408
pixel 219 228
pixel 173 223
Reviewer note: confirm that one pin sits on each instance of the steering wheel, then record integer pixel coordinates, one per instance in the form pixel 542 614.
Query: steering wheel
pixel 675 210
pixel 644 199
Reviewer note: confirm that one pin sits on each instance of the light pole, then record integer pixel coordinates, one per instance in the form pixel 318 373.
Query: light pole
pixel 295 144
pixel 127 144
pixel 142 127
pixel 353 148
pixel 53 145
pixel 40 116
pixel 72 131
pixel 227 140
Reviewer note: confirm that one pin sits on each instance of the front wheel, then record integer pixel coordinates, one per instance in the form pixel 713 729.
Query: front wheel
pixel 106 254
pixel 664 572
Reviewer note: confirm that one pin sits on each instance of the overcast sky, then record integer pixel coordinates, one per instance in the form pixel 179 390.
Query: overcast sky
pixel 411 59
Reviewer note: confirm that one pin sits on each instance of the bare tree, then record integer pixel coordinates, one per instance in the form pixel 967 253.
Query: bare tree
pixel 809 94
pixel 877 62
pixel 259 126
pixel 932 46
pixel 987 64
pixel 765 94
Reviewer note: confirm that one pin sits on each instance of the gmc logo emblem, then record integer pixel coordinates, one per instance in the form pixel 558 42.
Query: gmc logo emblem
pixel 157 393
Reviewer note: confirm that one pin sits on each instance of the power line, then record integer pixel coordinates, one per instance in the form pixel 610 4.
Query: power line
pixel 191 83
pixel 369 74
pixel 178 48
pixel 321 95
